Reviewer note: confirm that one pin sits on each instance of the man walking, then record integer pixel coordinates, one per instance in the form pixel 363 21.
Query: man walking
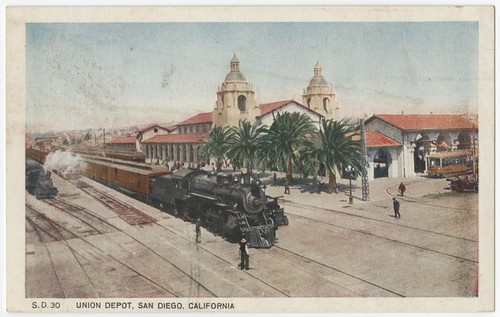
pixel 244 254
pixel 198 230
pixel 402 189
pixel 287 188
pixel 395 203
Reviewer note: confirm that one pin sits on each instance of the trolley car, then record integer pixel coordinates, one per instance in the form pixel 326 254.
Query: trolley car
pixel 441 164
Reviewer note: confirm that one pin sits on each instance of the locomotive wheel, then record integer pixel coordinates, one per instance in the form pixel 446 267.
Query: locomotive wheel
pixel 453 188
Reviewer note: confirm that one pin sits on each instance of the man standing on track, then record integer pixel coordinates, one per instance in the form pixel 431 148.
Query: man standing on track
pixel 395 203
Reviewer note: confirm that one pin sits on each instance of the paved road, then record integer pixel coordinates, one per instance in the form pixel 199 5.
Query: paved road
pixel 329 249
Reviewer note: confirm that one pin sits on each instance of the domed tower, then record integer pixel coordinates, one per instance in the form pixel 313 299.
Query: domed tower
pixel 235 99
pixel 319 96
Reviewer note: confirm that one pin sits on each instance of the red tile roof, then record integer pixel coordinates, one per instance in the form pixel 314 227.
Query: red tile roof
pixel 265 108
pixel 426 121
pixel 376 139
pixel 268 107
pixel 177 138
pixel 152 126
pixel 204 117
pixel 123 139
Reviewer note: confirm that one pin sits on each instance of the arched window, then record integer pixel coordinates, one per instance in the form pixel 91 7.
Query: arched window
pixel 242 103
pixel 326 104
pixel 309 103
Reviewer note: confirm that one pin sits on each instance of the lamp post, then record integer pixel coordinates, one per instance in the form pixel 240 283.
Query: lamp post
pixel 350 172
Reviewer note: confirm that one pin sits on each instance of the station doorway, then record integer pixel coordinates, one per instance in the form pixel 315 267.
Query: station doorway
pixel 382 161
pixel 421 148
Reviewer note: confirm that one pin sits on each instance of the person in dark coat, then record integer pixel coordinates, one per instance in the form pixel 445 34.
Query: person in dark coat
pixel 274 179
pixel 402 189
pixel 244 254
pixel 395 203
pixel 198 230
pixel 287 188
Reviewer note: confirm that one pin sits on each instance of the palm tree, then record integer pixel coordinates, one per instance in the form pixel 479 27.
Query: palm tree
pixel 285 137
pixel 309 163
pixel 337 149
pixel 217 144
pixel 246 144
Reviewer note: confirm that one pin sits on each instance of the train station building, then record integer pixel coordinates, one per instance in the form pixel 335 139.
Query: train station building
pixel 235 102
pixel 397 144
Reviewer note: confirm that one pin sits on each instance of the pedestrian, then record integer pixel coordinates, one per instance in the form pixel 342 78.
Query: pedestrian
pixel 395 203
pixel 244 254
pixel 287 188
pixel 274 179
pixel 402 189
pixel 198 230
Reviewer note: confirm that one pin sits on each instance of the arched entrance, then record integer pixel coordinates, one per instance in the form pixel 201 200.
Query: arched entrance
pixel 421 150
pixel 464 141
pixel 443 142
pixel 382 161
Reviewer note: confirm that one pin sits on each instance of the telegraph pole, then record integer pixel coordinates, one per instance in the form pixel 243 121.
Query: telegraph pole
pixel 365 189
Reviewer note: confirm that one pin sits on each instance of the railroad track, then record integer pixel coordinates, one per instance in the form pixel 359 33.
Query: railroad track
pixel 419 202
pixel 291 203
pixel 128 213
pixel 382 237
pixel 56 230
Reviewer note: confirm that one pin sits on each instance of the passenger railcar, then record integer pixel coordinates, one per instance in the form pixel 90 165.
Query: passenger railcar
pixel 134 177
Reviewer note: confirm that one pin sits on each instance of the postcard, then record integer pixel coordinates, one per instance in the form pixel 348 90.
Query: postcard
pixel 250 159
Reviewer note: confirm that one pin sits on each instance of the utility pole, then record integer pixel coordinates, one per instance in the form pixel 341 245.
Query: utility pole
pixel 365 189
pixel 103 139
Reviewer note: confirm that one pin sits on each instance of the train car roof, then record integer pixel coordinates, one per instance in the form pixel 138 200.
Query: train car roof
pixel 129 166
pixel 449 154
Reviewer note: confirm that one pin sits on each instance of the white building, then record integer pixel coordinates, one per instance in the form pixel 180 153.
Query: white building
pixel 397 144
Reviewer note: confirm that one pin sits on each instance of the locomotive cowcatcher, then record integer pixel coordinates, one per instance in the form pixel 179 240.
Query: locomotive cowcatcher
pixel 222 203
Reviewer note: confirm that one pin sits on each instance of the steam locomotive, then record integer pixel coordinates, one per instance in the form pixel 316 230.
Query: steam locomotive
pixel 38 180
pixel 222 203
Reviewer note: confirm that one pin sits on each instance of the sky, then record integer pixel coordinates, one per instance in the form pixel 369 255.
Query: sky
pixel 107 75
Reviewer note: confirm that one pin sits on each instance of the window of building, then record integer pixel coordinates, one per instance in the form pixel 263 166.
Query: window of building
pixel 326 104
pixel 242 103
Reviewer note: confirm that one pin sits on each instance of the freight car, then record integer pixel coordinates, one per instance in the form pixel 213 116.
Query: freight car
pixel 222 203
pixel 38 180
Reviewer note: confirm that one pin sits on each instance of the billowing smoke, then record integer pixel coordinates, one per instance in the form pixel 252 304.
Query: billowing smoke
pixel 65 163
